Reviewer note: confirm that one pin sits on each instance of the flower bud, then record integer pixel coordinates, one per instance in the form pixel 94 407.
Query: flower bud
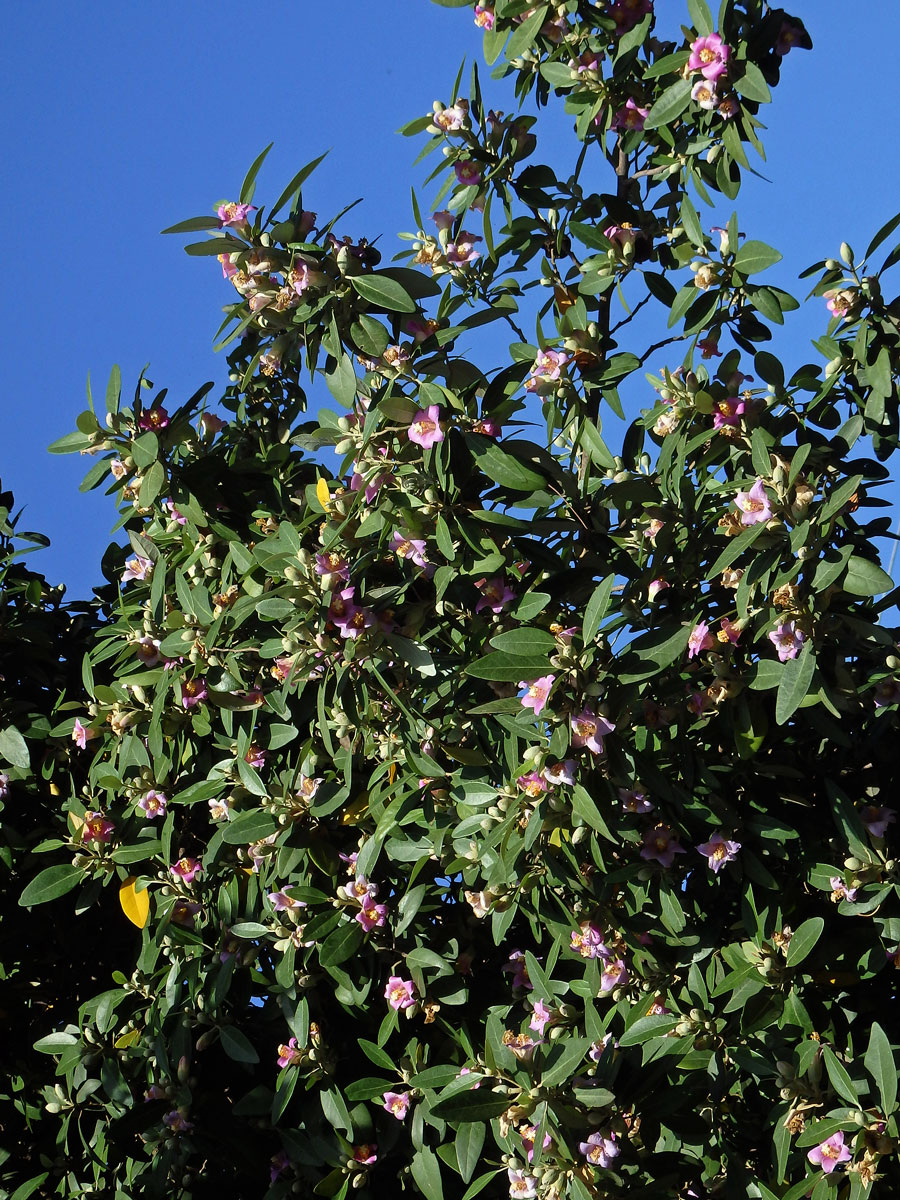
pixel 847 254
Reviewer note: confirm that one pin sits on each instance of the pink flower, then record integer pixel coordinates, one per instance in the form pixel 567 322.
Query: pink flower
pixel 468 172
pixel 400 993
pixel 587 940
pixel 186 869
pixel 840 891
pixel 153 418
pixel 210 424
pixel 147 650
pixel 397 1104
pixel 710 56
pixel 425 429
pixel 829 1153
pixel 600 1149
pixel 233 214
pixel 495 594
pixel 528 1134
pixel 561 773
pixel 656 586
pixel 484 16
pixel 876 820
pixel 729 108
pixel 97 828
pixel 175 515
pixel 462 252
pixel 631 116
pixel 411 548
pixel 183 913
pixel 719 851
pixel 488 427
pixel 137 568
pixel 515 966
pixel 589 730
pixel 661 843
pixel 290 1055
pixel 80 734
pixel 533 784
pixel 700 639
pixel 365 1155
pixel 177 1122
pixel 704 93
pixel 452 119
pixel 755 504
pixel 787 640
pixel 613 974
pixel 540 1017
pixel 282 902
pixel 278 1164
pixel 728 412
pixel 536 693
pixel 730 631
pixel 629 13
pixel 153 804
pixel 620 236
pixel 709 348
pixel 546 372
pixel 229 269
pixel 349 618
pixel 193 691
pixel 521 1185
pixel 371 915
pixel 635 801
pixel 791 34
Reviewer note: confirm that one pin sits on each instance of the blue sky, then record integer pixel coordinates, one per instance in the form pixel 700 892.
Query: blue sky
pixel 122 119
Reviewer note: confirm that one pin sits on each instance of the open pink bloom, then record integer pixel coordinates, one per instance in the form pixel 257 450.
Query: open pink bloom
pixel 700 639
pixel 515 966
pixel 400 993
pixel 443 219
pixel 210 424
pixel 425 429
pixel 587 940
pixel 631 116
pixel 290 1055
pixel 349 618
pixel 282 902
pixel 840 891
pixel 729 108
pixel 233 213
pixel 635 801
pixel 528 1134
pixel 137 568
pixel 452 119
pixel 462 252
pixel 371 486
pixel 704 93
pixel 589 730
pixel 371 915
pixel 787 640
pixel 522 1186
pixel 468 172
pixel 537 692
pixel 186 869
pixel 409 547
pixel 728 412
pixel 709 348
pixel 613 974
pixel 153 804
pixel 791 34
pixel 719 851
pixel 365 1154
pixel 4 785
pixel 730 631
pixel 193 691
pixel 397 1104
pixel 656 586
pixel 81 734
pixel 335 565
pixel 588 60
pixel 546 372
pixel 533 784
pixel 829 1153
pixel 755 504
pixel 147 650
pixel 97 828
pixel 710 56
pixel 153 418
pixel 183 913
pixel 488 426
pixel 600 1149
pixel 484 16
pixel 620 236
pixel 229 268
pixel 540 1017
pixel 495 594
pixel 876 820
pixel 561 773
pixel 661 843
pixel 177 1122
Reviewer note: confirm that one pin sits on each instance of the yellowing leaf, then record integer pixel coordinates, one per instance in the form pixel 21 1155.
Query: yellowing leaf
pixel 352 813
pixel 392 772
pixel 128 1039
pixel 558 835
pixel 135 904
pixel 323 494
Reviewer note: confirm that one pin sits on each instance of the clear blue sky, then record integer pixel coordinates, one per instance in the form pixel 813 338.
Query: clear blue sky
pixel 121 119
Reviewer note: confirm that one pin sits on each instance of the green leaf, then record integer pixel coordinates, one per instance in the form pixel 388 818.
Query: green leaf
pixel 754 257
pixel 24 1190
pixel 670 105
pixel 342 944
pixel 249 827
pixel 426 1171
pixel 471 1104
pixel 879 1062
pixel 249 929
pixel 14 749
pixel 804 940
pixel 865 578
pixel 152 484
pixel 525 642
pixel 647 1027
pixel 752 84
pixel 701 17
pixel 884 232
pixel 413 654
pixel 342 382
pixel 114 390
pixel 191 225
pixel 584 807
pixel 795 680
pixel 469 1143
pixel 840 1079
pixel 524 35
pixel 50 884
pixel 383 292
pixel 501 467
pixel 296 183
pixel 690 219
pixel 508 668
pixel 596 609
pixel 237 1045
pixel 248 187
pixel 55 1043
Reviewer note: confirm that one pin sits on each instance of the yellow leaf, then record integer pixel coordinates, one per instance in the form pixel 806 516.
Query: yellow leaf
pixel 392 772
pixel 135 904
pixel 352 813
pixel 323 494
pixel 128 1039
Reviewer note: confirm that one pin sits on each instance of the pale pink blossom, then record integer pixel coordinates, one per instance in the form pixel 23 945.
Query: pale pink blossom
pixel 661 844
pixel 787 640
pixel 613 974
pixel 840 891
pixel 290 1055
pixel 495 594
pixel 710 56
pixel 233 214
pixel 533 784
pixel 468 172
pixel 186 869
pixel 97 828
pixel 451 120
pixel 540 1017
pixel 522 1186
pixel 700 639
pixel 153 804
pixel 876 820
pixel 656 586
pixel 600 1149
pixel 589 730
pixel 147 650
pixel 719 851
pixel 371 915
pixel 546 372
pixel 137 568
pixel 529 1134
pixel 635 801
pixel 515 966
pixel 81 734
pixel 561 773
pixel 397 1104
pixel 728 412
pixel 704 93
pixel 461 252
pixel 754 505
pixel 537 692
pixel 630 116
pixel 400 993
pixel 425 429
pixel 282 902
pixel 410 548
pixel 484 16
pixel 830 1153
pixel 193 691
pixel 587 940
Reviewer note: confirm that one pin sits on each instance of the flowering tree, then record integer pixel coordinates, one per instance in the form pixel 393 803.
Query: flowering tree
pixel 500 814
